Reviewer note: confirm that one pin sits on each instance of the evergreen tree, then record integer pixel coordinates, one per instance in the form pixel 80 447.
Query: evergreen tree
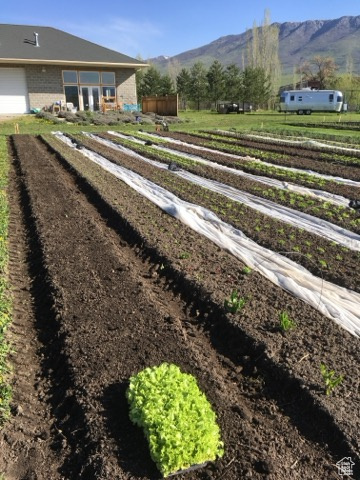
pixel 139 75
pixel 198 83
pixel 233 83
pixel 256 86
pixel 151 82
pixel 216 80
pixel 166 85
pixel 183 81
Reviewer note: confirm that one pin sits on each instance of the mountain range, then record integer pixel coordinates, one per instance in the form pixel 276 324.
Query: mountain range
pixel 298 42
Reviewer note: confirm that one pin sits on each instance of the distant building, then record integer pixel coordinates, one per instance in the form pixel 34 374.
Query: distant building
pixel 43 66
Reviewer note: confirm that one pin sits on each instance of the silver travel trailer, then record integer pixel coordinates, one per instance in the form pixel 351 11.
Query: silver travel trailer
pixel 306 101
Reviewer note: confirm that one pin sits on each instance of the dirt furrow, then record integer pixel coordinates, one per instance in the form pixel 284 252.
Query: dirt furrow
pixel 26 443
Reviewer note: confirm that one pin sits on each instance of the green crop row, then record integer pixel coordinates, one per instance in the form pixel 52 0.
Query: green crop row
pixel 306 149
pixel 320 256
pixel 339 215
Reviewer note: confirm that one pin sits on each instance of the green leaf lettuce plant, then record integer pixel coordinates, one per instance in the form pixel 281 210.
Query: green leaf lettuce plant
pixel 178 421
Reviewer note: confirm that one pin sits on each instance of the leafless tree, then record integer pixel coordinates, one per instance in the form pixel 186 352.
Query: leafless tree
pixel 320 70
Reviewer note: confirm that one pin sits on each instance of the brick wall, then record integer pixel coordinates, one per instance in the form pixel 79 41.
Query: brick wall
pixel 45 85
pixel 126 86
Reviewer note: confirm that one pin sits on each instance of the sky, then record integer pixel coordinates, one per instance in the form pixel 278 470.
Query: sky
pixel 150 28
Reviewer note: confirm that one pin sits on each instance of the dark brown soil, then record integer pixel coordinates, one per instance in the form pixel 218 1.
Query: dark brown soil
pixel 311 206
pixel 102 289
pixel 305 248
pixel 311 163
pixel 310 156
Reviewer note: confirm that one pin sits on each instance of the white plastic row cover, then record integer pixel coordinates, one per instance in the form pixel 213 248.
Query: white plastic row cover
pixel 337 303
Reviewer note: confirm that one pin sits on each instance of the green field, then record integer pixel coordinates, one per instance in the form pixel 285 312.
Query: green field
pixel 194 120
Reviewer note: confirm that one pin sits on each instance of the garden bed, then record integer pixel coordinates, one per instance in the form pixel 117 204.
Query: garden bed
pixel 320 256
pixel 278 155
pixel 117 285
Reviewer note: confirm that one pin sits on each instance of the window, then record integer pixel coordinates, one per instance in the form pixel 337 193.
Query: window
pixel 89 88
pixel 331 97
pixel 108 91
pixel 89 77
pixel 108 78
pixel 72 95
pixel 70 76
pixel 339 98
pixel 292 98
pixel 299 99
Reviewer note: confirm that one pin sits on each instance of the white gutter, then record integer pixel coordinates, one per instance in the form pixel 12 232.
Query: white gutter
pixel 81 63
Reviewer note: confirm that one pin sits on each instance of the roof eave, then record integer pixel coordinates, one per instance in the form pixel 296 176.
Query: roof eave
pixel 80 63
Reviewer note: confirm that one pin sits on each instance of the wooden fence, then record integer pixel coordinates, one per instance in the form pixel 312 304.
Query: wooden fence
pixel 167 105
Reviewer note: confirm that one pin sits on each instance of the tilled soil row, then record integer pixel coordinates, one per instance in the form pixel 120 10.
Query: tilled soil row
pixel 306 204
pixel 304 248
pixel 343 171
pixel 250 341
pixel 104 310
pixel 331 156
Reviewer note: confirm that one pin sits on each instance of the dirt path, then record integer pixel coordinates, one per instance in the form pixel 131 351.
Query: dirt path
pixel 104 292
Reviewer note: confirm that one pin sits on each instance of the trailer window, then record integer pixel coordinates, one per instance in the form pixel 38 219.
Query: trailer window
pixel 292 98
pixel 339 98
pixel 299 99
pixel 331 97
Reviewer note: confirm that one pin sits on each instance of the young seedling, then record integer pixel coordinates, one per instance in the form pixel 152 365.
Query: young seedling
pixel 246 270
pixel 235 302
pixel 286 323
pixel 323 263
pixel 330 379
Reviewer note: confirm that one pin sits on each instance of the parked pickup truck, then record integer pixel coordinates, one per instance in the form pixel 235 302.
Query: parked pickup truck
pixel 229 107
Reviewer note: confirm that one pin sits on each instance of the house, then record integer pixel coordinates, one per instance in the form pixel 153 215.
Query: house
pixel 44 66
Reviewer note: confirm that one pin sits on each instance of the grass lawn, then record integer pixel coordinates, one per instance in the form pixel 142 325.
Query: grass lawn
pixel 195 120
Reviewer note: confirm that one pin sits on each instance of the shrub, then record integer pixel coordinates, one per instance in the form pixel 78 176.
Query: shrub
pixel 48 116
pixel 68 116
pixel 82 115
pixel 177 419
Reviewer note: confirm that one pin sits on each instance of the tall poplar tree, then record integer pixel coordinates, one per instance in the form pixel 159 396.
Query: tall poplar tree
pixel 263 51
